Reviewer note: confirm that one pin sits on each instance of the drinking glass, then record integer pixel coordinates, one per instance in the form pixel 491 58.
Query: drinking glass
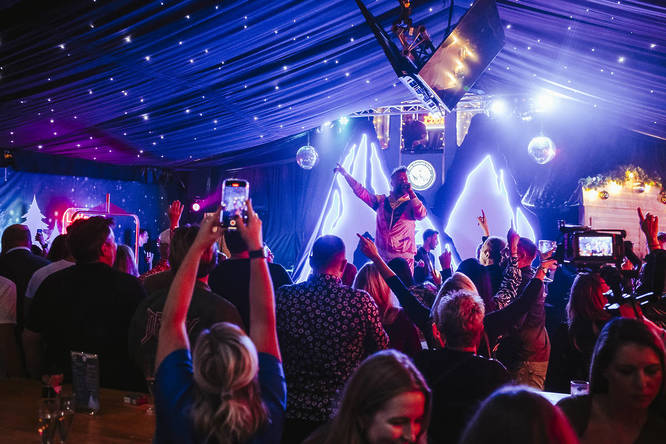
pixel 46 419
pixel 65 417
pixel 149 373
pixel 579 387
pixel 545 247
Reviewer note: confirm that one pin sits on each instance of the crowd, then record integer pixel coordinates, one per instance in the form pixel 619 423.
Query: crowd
pixel 404 350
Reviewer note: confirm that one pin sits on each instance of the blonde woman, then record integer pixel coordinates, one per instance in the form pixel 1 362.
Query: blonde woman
pixel 125 261
pixel 233 390
pixel 402 333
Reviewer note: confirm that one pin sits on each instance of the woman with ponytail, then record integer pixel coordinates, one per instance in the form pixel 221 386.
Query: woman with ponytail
pixel 233 390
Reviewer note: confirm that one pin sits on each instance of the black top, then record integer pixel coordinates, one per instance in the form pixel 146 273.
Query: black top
pixel 459 381
pixel 423 273
pixel 206 309
pixel 231 279
pixel 578 410
pixel 18 266
pixel 88 308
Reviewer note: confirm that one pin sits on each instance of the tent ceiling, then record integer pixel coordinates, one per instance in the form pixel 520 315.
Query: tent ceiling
pixel 193 83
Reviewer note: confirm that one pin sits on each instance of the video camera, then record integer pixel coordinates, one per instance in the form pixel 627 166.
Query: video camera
pixel 588 248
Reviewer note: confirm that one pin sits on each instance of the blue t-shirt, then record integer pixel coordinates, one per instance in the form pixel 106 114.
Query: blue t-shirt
pixel 174 397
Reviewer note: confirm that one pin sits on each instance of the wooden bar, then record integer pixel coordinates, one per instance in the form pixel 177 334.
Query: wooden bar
pixel 117 422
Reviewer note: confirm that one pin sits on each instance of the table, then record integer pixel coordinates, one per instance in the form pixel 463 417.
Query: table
pixel 117 422
pixel 553 397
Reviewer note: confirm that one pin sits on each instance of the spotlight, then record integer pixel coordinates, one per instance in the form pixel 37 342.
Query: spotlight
pixel 343 120
pixel 196 207
pixel 498 107
pixel 544 103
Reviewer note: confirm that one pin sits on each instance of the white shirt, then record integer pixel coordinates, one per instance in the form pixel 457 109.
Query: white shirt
pixel 7 301
pixel 42 273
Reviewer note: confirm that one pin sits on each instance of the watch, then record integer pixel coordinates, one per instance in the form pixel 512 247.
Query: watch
pixel 258 254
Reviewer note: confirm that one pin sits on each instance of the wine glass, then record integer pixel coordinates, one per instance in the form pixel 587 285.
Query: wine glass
pixel 149 373
pixel 65 417
pixel 46 419
pixel 546 247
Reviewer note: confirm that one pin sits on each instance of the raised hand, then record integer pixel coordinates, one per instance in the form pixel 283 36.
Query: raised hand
pixel 445 260
pixel 650 226
pixel 339 169
pixel 512 239
pixel 546 265
pixel 209 231
pixel 250 231
pixel 483 223
pixel 174 212
pixel 368 247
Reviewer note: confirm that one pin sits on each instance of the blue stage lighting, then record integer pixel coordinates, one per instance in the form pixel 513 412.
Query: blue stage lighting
pixel 343 120
pixel 498 108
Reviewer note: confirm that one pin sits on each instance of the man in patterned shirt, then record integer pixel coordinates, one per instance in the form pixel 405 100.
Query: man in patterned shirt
pixel 325 330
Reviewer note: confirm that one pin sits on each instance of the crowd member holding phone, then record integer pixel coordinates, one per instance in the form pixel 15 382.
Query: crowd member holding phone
pixel 233 389
pixel 397 214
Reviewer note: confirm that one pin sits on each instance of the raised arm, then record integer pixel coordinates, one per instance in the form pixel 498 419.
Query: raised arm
pixel 483 223
pixel 512 276
pixel 499 322
pixel 419 210
pixel 358 189
pixel 173 335
pixel 417 312
pixel 650 226
pixel 262 301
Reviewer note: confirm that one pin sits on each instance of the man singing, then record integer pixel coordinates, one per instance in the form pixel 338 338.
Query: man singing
pixel 396 215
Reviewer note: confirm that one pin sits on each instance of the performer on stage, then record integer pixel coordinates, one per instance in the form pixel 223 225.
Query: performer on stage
pixel 396 215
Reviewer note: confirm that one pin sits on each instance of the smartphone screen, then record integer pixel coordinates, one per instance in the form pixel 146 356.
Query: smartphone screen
pixel 234 194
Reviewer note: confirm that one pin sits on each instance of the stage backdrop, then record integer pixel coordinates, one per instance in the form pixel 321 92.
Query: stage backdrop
pixel 39 201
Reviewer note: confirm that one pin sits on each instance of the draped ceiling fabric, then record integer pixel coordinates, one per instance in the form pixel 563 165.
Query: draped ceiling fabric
pixel 202 83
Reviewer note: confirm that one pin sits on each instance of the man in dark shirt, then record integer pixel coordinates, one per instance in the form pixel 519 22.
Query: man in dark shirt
pixel 325 330
pixel 206 307
pixel 459 379
pixel 18 263
pixel 526 349
pixel 424 261
pixel 231 278
pixel 87 308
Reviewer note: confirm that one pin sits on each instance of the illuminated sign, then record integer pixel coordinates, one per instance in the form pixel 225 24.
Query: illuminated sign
pixel 421 174
pixel 433 122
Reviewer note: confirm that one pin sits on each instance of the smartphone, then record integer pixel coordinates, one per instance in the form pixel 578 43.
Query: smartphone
pixel 234 194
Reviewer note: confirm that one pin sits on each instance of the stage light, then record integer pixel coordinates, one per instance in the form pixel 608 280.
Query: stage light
pixel 343 120
pixel 196 207
pixel 544 103
pixel 498 108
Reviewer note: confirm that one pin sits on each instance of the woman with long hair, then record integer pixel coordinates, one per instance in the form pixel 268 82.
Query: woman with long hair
pixel 626 400
pixel 518 415
pixel 125 261
pixel 233 390
pixel 385 401
pixel 402 332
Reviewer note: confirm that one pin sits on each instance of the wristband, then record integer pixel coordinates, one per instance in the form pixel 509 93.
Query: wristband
pixel 258 254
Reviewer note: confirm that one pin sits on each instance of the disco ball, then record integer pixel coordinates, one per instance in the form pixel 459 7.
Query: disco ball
pixel 542 149
pixel 307 157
